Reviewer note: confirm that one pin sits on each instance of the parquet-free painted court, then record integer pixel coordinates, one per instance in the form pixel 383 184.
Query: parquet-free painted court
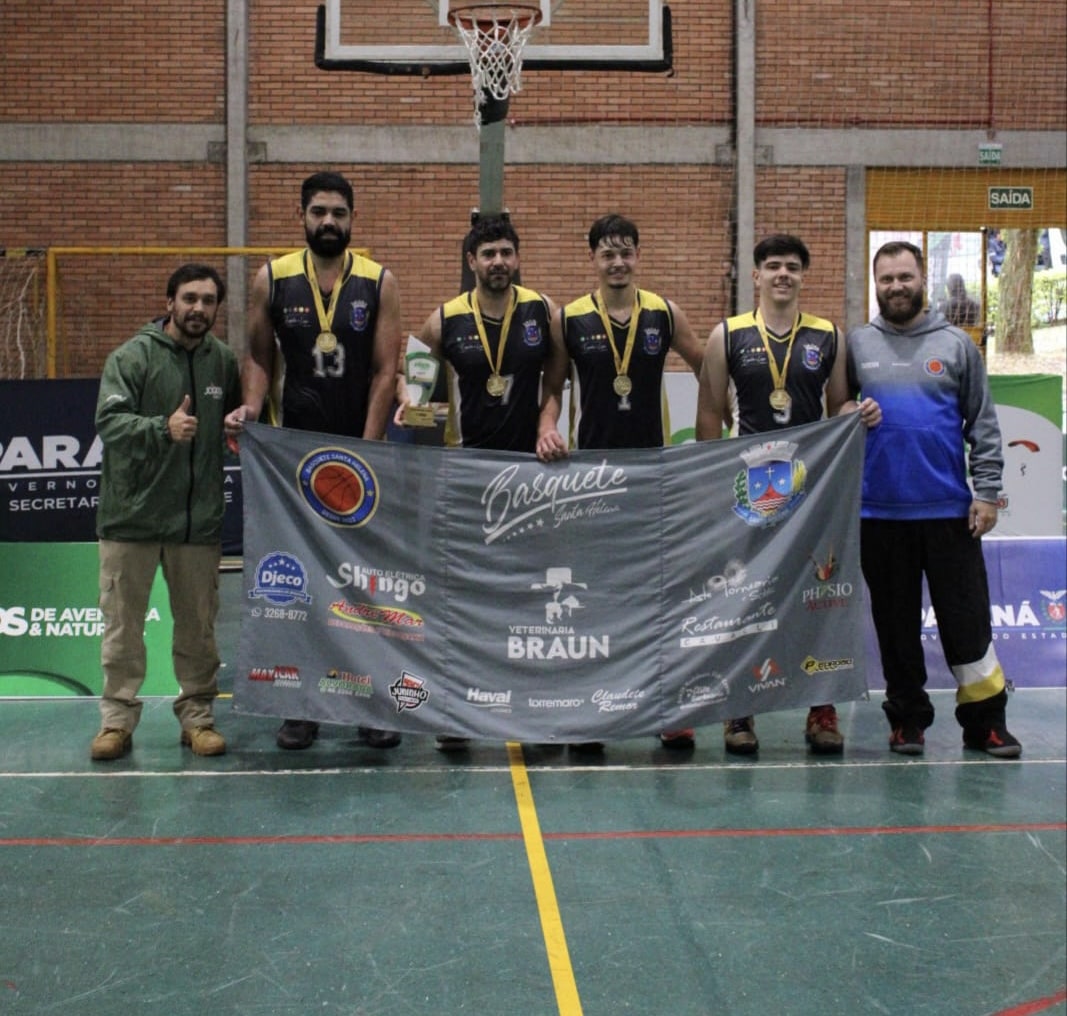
pixel 522 881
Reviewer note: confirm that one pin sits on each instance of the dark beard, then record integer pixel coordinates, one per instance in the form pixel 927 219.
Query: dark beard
pixel 899 317
pixel 327 245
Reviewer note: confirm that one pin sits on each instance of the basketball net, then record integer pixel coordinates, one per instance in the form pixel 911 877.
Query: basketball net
pixel 494 35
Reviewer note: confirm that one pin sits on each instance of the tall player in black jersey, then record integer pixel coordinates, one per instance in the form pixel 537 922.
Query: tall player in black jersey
pixel 617 338
pixel 334 316
pixel 782 364
pixel 494 341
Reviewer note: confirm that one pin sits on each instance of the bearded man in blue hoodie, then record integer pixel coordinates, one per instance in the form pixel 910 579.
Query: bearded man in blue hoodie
pixel 919 515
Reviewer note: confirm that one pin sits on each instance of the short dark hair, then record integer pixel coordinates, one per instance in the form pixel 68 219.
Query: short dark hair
pixel 194 273
pixel 895 247
pixel 488 230
pixel 611 225
pixel 326 181
pixel 778 244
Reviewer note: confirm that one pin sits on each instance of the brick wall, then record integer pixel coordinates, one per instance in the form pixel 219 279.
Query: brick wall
pixel 820 63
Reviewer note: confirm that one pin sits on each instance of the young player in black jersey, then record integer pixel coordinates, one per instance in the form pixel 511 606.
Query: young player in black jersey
pixel 782 363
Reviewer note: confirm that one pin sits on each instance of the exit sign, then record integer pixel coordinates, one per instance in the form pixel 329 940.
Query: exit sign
pixel 989 154
pixel 1019 199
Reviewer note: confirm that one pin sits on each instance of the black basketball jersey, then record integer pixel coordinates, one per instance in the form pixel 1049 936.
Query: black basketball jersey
pixel 810 363
pixel 601 418
pixel 477 419
pixel 325 391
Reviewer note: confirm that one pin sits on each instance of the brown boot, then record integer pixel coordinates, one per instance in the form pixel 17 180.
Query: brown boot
pixel 110 743
pixel 204 741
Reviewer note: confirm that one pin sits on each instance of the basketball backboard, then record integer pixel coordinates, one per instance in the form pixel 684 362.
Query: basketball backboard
pixel 414 37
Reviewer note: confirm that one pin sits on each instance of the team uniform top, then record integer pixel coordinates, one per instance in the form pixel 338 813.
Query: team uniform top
pixel 325 391
pixel 477 419
pixel 599 417
pixel 810 362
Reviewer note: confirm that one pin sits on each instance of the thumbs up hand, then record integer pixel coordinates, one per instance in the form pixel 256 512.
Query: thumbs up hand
pixel 180 425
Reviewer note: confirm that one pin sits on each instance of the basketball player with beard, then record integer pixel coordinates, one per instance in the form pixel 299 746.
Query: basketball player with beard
pixel 334 317
pixel 494 341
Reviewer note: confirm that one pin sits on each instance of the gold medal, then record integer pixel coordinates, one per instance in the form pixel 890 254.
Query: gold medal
pixel 780 400
pixel 496 385
pixel 622 385
pixel 326 342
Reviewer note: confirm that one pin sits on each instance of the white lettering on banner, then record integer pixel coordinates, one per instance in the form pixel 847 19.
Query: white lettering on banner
pixel 374 580
pixel 625 701
pixel 49 504
pixel 508 504
pixel 574 647
pixel 58 451
pixel 717 630
pixel 490 699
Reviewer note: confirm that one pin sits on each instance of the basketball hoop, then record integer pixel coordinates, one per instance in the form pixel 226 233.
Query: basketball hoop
pixel 494 35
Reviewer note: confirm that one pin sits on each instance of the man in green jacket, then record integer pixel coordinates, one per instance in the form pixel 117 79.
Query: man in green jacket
pixel 163 396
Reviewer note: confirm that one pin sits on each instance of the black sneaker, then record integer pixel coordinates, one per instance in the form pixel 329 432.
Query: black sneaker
pixel 448 743
pixel 379 738
pixel 587 747
pixel 297 734
pixel 994 740
pixel 907 740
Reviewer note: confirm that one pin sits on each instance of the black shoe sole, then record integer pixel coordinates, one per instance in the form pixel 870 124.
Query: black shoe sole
pixel 820 749
pixel 379 738
pixel 297 744
pixel 677 743
pixel 747 749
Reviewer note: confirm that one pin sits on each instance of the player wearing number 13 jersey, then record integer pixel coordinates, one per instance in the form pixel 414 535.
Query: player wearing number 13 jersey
pixel 325 389
pixel 335 316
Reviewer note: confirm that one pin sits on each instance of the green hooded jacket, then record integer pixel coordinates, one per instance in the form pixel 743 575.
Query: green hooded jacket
pixel 152 489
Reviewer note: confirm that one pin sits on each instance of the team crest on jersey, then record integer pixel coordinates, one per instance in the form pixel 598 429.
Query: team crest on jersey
pixel 531 332
pixel 934 366
pixel 338 486
pixel 653 341
pixel 771 486
pixel 358 316
pixel 812 358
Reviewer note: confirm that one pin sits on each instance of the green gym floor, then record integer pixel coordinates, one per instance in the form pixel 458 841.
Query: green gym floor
pixel 517 881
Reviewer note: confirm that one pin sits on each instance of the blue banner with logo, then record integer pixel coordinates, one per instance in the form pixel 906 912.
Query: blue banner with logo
pixel 613 594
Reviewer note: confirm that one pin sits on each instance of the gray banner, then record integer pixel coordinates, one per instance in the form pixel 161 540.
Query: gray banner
pixel 611 595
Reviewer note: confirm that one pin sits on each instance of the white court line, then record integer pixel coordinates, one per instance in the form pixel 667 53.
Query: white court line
pixel 585 770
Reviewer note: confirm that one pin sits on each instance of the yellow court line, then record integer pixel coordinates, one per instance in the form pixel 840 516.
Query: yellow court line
pixel 559 958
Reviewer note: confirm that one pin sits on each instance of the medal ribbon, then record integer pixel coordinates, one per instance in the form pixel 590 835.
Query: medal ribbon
pixel 480 325
pixel 777 376
pixel 326 313
pixel 622 364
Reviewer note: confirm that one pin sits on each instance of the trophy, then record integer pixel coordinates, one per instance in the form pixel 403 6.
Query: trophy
pixel 420 375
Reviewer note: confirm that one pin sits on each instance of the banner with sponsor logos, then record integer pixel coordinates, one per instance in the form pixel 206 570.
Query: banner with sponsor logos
pixel 50 459
pixel 613 594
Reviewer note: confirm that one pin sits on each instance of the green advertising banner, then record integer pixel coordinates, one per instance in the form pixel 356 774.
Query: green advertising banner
pixel 51 626
pixel 1030 412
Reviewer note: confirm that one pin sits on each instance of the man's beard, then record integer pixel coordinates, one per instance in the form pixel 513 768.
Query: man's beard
pixel 328 244
pixel 911 310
